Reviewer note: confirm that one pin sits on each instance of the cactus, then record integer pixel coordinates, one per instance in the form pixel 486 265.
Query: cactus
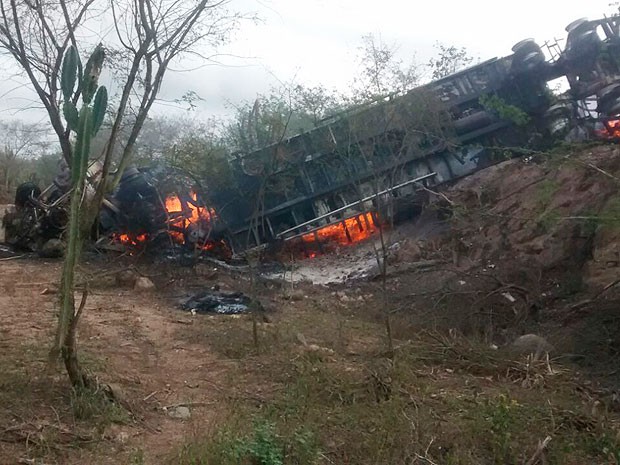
pixel 99 107
pixel 85 123
pixel 71 115
pixel 90 79
pixel 69 72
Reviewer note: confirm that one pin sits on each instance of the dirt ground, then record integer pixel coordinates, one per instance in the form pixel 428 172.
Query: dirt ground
pixel 452 391
pixel 157 357
pixel 131 337
pixel 152 354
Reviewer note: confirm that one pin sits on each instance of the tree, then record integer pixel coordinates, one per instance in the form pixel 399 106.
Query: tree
pixel 43 169
pixel 198 149
pixel 20 141
pixel 146 36
pixel 286 111
pixel 383 135
pixel 381 72
pixel 317 102
pixel 449 60
pixel 160 134
pixel 255 136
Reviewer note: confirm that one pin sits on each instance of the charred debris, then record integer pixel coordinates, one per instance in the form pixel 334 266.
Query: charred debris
pixel 336 182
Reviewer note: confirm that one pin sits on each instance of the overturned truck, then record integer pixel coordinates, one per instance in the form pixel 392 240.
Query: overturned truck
pixel 379 160
pixel 391 152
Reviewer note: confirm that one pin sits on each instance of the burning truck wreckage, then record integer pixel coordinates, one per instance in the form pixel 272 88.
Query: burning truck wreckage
pixel 330 185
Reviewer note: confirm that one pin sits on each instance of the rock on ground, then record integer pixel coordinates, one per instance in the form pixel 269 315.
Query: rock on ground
pixel 181 413
pixel 54 248
pixel 126 278
pixel 531 344
pixel 144 284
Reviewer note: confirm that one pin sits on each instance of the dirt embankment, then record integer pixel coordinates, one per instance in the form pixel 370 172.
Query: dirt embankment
pixel 551 213
pixel 529 245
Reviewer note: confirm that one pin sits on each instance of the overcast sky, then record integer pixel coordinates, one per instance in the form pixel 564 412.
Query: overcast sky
pixel 316 42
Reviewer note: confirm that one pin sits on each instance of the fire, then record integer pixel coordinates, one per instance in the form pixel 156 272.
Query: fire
pixel 611 129
pixel 188 222
pixel 133 240
pixel 187 217
pixel 349 231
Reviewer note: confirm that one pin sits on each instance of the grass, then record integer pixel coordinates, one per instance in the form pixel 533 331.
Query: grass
pixel 545 193
pixel 40 411
pixel 259 442
pixel 95 406
pixel 136 457
pixel 232 337
pixel 610 215
pixel 441 400
pixel 91 362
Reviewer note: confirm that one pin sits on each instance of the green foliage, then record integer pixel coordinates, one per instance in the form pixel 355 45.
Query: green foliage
pixel 71 115
pixel 607 217
pixel 137 457
pixel 194 147
pixel 92 70
pixel 449 60
pixel 203 157
pixel 283 112
pixel 81 148
pixel 504 110
pixel 99 108
pixel 89 404
pixel 263 447
pixel 549 219
pixel 500 414
pixel 77 229
pixel 43 168
pixel 610 214
pixel 381 73
pixel 304 448
pixel 546 191
pixel 87 121
pixel 22 146
pixel 445 398
pixel 603 445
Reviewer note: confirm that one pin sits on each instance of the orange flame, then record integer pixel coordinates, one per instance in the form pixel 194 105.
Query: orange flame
pixel 133 240
pixel 350 231
pixel 611 130
pixel 185 214
pixel 184 217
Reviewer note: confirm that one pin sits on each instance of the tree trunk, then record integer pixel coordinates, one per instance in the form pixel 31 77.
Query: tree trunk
pixel 66 335
pixel 7 179
pixel 69 351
